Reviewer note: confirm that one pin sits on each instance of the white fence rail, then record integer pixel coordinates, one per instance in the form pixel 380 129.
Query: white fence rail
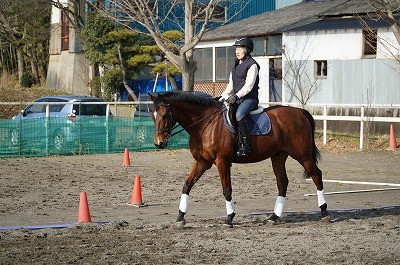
pixel 362 118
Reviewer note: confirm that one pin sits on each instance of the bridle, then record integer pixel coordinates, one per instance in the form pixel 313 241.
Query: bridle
pixel 170 116
pixel 169 129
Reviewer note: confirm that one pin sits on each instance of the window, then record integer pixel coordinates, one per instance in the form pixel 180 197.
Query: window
pixel 204 60
pixel 35 109
pixel 321 69
pixel 259 46
pixel 56 108
pixel 274 45
pixel 224 58
pixel 275 68
pixel 64 31
pixel 90 109
pixel 370 42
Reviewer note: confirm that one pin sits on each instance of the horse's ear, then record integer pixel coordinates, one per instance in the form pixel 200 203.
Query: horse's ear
pixel 153 96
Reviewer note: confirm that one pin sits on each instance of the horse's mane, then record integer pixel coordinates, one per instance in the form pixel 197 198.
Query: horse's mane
pixel 188 97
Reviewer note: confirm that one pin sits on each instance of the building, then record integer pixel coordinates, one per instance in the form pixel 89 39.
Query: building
pixel 69 70
pixel 338 50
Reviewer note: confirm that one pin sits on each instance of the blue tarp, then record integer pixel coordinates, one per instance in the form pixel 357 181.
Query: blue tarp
pixel 146 85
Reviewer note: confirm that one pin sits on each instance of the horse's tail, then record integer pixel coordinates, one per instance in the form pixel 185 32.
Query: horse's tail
pixel 316 155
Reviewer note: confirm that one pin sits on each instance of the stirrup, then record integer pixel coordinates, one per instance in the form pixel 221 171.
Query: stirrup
pixel 242 151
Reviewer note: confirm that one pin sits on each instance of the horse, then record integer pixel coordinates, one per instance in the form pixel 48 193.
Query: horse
pixel 211 142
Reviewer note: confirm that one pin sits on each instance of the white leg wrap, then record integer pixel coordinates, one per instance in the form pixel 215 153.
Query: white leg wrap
pixel 280 202
pixel 321 197
pixel 230 207
pixel 183 205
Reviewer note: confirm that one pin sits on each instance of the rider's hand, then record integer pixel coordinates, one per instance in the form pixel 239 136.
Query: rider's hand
pixel 232 99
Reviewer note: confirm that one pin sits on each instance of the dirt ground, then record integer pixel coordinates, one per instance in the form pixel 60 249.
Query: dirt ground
pixel 36 192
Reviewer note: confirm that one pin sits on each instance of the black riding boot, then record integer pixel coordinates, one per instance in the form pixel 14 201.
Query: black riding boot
pixel 244 149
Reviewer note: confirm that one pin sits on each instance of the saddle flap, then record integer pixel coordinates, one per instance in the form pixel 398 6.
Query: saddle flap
pixel 259 123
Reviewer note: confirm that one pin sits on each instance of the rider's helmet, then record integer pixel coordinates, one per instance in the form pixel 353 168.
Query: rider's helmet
pixel 245 42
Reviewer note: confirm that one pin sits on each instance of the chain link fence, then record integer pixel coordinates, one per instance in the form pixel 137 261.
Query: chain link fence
pixel 79 135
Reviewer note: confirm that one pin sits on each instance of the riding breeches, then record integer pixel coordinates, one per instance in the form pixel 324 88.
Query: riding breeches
pixel 245 106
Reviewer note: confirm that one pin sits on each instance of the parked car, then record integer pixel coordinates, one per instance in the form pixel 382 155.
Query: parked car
pixel 68 124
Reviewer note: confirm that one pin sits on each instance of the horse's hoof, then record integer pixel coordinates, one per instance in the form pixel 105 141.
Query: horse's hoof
pixel 229 225
pixel 270 222
pixel 180 224
pixel 229 219
pixel 326 218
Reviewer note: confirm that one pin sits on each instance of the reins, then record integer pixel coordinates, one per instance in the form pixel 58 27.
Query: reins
pixel 196 122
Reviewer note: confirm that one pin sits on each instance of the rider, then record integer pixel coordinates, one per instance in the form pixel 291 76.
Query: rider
pixel 242 89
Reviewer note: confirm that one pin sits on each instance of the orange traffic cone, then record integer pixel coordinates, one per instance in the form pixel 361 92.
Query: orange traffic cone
pixel 392 139
pixel 84 214
pixel 127 161
pixel 136 197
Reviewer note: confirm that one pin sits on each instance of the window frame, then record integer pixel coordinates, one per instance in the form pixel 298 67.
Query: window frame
pixel 278 49
pixel 64 31
pixel 370 42
pixel 204 60
pixel 321 69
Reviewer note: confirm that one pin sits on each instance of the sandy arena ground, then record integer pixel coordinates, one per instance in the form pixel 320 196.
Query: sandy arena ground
pixel 45 191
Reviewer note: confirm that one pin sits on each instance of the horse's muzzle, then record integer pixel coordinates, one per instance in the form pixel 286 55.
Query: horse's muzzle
pixel 161 145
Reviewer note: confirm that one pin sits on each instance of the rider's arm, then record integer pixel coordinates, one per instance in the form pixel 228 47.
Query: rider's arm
pixel 229 89
pixel 250 80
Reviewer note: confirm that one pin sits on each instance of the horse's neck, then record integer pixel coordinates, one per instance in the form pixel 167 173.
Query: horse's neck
pixel 191 117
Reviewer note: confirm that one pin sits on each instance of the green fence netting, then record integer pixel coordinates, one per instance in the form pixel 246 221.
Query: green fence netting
pixel 80 135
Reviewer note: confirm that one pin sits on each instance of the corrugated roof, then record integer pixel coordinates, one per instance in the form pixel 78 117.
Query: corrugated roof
pixel 286 18
pixel 342 23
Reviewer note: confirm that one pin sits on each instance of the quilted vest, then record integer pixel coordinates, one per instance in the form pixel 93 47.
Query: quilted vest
pixel 239 73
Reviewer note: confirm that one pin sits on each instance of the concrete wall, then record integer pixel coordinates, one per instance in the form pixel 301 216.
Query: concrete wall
pixel 69 72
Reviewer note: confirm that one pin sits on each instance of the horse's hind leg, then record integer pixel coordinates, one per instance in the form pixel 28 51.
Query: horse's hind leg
pixel 315 173
pixel 224 170
pixel 282 181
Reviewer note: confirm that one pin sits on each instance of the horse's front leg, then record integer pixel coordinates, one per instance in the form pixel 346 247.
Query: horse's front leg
pixel 224 170
pixel 198 168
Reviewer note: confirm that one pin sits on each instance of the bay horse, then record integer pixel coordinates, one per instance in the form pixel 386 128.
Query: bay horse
pixel 211 142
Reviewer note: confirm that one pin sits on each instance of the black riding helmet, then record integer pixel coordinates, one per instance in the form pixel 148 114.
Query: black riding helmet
pixel 245 42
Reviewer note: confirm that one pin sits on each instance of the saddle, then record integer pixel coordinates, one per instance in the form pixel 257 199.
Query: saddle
pixel 258 121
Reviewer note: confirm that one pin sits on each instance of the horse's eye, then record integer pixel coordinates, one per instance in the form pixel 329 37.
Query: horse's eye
pixel 164 117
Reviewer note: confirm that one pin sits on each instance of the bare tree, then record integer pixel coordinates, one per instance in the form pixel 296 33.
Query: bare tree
pixel 385 9
pixel 297 78
pixel 144 12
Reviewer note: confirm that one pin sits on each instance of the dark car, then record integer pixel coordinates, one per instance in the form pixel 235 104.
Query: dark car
pixel 67 121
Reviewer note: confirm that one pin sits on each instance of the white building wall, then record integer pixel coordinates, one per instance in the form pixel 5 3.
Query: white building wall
pixel 323 45
pixel 388 47
pixel 351 78
pixel 56 14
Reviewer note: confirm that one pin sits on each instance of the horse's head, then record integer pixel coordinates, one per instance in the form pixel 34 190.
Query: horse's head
pixel 163 120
